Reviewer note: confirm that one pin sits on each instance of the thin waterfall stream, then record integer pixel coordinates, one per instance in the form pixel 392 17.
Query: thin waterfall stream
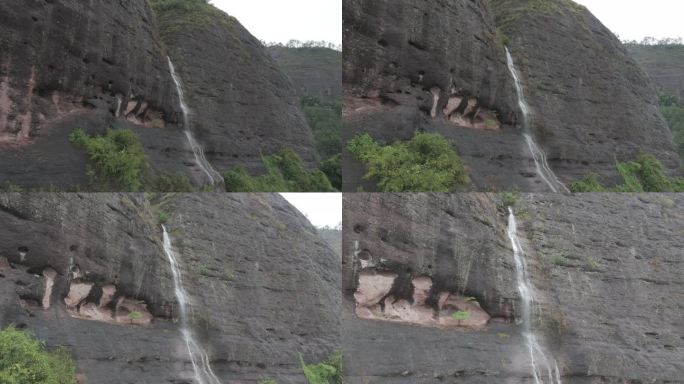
pixel 198 356
pixel 544 366
pixel 538 155
pixel 215 178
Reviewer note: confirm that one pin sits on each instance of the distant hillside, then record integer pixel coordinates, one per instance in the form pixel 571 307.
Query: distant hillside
pixel 664 64
pixel 333 237
pixel 314 71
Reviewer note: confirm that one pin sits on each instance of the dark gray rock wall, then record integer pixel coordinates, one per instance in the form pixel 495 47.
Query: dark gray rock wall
pixel 263 286
pixel 607 269
pixel 63 66
pixel 396 52
pixel 242 105
pixel 592 104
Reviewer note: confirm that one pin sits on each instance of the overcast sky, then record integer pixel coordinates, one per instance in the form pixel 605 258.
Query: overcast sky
pixel 282 20
pixel 322 209
pixel 636 19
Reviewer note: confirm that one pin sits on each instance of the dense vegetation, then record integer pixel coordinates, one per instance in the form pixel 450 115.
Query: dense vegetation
pixel 426 163
pixel 118 163
pixel 673 110
pixel 25 360
pixel 645 174
pixel 284 173
pixel 117 159
pixel 327 372
pixel 325 120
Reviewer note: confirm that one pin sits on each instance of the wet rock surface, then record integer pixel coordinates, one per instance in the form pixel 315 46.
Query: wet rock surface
pixel 243 106
pixel 263 286
pixel 591 104
pixel 607 270
pixel 69 65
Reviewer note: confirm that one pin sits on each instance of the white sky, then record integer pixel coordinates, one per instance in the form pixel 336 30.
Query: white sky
pixel 636 19
pixel 282 20
pixel 322 209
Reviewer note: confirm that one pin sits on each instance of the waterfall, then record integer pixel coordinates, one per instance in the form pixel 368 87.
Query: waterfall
pixel 544 367
pixel 538 154
pixel 201 160
pixel 198 356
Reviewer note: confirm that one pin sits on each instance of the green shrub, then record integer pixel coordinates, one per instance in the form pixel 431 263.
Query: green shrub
pixel 589 184
pixel 325 120
pixel 426 163
pixel 460 315
pixel 135 315
pixel 327 372
pixel 24 360
pixel 509 199
pixel 179 15
pixel 333 170
pixel 170 183
pixel 674 114
pixel 284 173
pixel 645 174
pixel 117 159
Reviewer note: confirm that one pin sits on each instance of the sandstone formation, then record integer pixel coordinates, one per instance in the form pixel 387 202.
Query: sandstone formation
pixel 440 66
pixel 263 287
pixel 606 269
pixel 243 106
pixel 94 65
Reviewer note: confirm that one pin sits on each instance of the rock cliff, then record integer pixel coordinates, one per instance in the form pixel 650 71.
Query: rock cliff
pixel 89 272
pixel 243 106
pixel 440 66
pixel 606 268
pixel 68 64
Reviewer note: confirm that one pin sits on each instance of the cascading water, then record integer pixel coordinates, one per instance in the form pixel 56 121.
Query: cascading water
pixel 544 367
pixel 538 154
pixel 198 356
pixel 215 178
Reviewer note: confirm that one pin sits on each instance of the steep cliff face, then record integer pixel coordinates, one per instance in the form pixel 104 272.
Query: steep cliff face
pixel 591 103
pixel 314 71
pixel 243 106
pixel 89 272
pixel 440 66
pixel 70 64
pixel 432 66
pixel 609 299
pixel 664 65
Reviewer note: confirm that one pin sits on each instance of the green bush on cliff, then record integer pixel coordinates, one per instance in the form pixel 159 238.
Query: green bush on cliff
pixel 674 114
pixel 645 174
pixel 179 15
pixel 325 119
pixel 284 173
pixel 117 159
pixel 24 360
pixel 326 372
pixel 426 163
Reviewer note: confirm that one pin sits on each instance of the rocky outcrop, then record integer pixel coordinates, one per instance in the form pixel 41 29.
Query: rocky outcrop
pixel 70 64
pixel 591 103
pixel 243 106
pixel 436 66
pixel 664 65
pixel 606 269
pixel 440 66
pixel 313 71
pixel 262 286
